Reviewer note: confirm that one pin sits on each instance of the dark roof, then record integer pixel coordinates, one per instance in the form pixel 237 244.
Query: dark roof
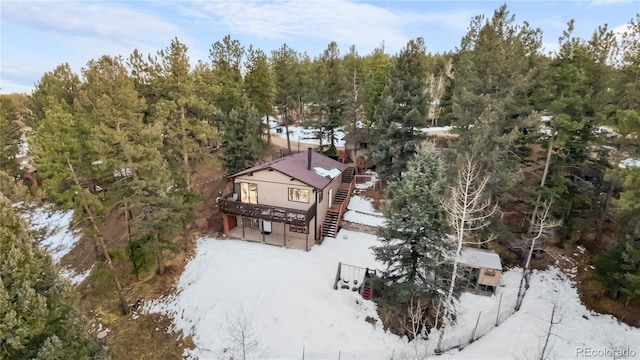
pixel 296 166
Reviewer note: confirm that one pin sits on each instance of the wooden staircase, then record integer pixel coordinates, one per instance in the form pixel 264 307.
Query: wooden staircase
pixel 347 175
pixel 330 226
pixel 334 214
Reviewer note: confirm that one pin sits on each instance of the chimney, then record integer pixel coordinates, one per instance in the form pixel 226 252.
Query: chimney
pixel 309 159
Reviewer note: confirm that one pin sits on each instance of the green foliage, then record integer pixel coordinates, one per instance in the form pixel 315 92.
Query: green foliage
pixel 59 85
pixel 618 269
pixel 226 60
pixel 241 142
pixel 401 112
pixel 496 70
pixel 9 141
pixel 414 243
pixel 330 93
pixel 37 315
pixel 378 64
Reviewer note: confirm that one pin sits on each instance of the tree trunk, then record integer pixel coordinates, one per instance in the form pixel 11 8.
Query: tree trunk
pixel 268 129
pixel 101 245
pixel 158 252
pixel 286 128
pixel 542 182
pixel 187 175
pixel 603 214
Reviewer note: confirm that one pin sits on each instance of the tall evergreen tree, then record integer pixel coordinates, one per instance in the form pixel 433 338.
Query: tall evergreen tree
pixel 38 318
pixel 259 84
pixel 226 60
pixel 401 112
pixel 331 102
pixel 495 69
pixel 377 65
pixel 68 175
pixel 9 139
pixel 414 240
pixel 284 62
pixel 60 84
pixel 241 141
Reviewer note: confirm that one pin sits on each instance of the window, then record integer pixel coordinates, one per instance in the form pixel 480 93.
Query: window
pixel 298 229
pixel 320 196
pixel 299 195
pixel 249 193
pixel 251 223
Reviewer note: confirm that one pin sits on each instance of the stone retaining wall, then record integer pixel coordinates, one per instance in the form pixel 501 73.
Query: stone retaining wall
pixel 348 225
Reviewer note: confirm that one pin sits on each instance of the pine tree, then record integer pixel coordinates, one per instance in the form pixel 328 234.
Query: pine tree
pixel 495 70
pixel 401 112
pixel 9 141
pixel 226 60
pixel 68 177
pixel 575 93
pixel 38 319
pixel 414 241
pixel 330 99
pixel 259 85
pixel 377 65
pixel 60 84
pixel 241 141
pixel 284 62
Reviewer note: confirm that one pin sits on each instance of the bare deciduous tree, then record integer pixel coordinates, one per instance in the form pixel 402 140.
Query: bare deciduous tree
pixel 542 227
pixel 416 325
pixel 469 210
pixel 556 318
pixel 241 335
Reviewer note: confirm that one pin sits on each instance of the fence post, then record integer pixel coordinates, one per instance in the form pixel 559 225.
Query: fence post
pixel 473 334
pixel 302 352
pixel 498 314
pixel 339 354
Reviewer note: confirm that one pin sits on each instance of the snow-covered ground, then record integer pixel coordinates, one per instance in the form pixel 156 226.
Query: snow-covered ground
pixel 287 301
pixel 58 238
pixel 361 211
pixel 629 163
pixel 308 135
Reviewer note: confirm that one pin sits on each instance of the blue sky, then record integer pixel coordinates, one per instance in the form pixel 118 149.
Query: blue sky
pixel 36 36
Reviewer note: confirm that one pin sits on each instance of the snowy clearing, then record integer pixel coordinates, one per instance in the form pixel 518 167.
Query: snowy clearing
pixel 288 300
pixel 308 135
pixel 58 238
pixel 361 211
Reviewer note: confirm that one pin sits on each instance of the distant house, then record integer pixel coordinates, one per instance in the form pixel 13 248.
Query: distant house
pixel 293 201
pixel 483 268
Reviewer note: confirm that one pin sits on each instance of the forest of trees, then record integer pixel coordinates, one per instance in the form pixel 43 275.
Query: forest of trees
pixel 126 135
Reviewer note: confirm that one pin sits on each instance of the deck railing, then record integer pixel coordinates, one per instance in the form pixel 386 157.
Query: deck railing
pixel 267 212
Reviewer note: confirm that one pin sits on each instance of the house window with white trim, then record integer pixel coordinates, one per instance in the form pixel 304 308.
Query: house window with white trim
pixel 299 195
pixel 249 193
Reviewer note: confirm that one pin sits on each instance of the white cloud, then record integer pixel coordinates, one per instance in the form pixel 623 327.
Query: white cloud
pixel 101 20
pixel 343 21
pixel 608 2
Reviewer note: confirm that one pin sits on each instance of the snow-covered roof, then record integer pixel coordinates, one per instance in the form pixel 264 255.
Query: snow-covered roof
pixel 480 258
pixel 324 172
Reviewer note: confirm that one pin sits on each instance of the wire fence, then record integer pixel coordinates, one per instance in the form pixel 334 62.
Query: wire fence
pixel 469 327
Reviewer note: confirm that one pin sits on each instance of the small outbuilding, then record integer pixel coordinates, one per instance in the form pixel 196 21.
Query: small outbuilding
pixel 483 268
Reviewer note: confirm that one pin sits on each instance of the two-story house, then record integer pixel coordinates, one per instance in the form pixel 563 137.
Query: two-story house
pixel 292 201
